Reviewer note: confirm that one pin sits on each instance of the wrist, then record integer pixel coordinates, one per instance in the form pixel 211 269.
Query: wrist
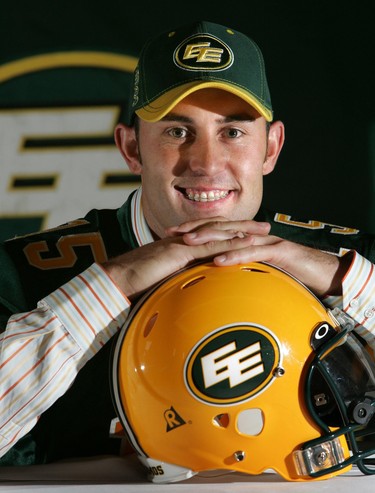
pixel 343 266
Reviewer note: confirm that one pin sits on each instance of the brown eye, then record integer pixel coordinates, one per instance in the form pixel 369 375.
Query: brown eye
pixel 178 132
pixel 232 133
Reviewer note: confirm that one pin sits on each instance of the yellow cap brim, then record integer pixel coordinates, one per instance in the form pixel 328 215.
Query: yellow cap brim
pixel 161 106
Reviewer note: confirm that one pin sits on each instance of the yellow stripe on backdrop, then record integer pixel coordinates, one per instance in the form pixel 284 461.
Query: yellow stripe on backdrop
pixel 67 59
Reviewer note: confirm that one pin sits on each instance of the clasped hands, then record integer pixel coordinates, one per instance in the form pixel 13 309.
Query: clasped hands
pixel 225 242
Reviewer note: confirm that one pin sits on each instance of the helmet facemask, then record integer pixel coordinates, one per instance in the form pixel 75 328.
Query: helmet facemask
pixel 340 392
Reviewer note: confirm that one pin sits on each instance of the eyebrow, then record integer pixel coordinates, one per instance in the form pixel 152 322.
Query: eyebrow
pixel 244 117
pixel 173 117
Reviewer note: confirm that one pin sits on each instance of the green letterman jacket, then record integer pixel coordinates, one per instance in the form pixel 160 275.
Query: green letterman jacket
pixel 33 266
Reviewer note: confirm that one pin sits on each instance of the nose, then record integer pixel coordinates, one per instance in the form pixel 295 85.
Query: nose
pixel 205 157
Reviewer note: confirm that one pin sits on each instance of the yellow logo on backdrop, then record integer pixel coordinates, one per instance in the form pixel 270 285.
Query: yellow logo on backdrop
pixel 48 153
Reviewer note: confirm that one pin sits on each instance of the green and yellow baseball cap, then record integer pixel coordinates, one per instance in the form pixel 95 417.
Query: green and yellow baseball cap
pixel 200 55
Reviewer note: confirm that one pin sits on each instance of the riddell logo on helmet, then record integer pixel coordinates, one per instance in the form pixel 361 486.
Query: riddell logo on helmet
pixel 173 419
pixel 232 364
pixel 203 52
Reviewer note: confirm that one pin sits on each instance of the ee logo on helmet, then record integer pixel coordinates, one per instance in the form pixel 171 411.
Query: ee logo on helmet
pixel 233 364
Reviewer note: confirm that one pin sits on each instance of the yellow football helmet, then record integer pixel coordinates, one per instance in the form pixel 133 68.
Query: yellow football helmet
pixel 243 369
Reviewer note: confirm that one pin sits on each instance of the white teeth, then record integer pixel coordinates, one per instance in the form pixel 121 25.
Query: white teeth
pixel 206 196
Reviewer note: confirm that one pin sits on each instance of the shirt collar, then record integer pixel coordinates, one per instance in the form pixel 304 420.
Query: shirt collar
pixel 140 227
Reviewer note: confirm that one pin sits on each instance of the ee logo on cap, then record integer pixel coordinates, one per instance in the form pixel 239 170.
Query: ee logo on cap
pixel 203 52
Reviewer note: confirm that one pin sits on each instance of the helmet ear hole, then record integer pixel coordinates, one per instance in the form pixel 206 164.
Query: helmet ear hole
pixel 250 422
pixel 221 420
pixel 150 324
pixel 194 281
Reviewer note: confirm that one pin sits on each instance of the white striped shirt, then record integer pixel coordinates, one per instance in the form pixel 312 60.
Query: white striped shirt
pixel 358 298
pixel 43 350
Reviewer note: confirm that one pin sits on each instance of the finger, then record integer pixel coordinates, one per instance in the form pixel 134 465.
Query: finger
pixel 224 230
pixel 201 237
pixel 253 253
pixel 246 226
pixel 214 248
pixel 193 225
pixel 265 240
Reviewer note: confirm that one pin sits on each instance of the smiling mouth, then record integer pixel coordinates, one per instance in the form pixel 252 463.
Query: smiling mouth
pixel 204 195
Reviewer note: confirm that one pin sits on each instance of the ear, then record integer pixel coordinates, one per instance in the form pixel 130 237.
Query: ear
pixel 127 144
pixel 276 137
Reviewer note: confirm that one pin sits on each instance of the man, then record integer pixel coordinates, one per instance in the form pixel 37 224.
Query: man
pixel 199 131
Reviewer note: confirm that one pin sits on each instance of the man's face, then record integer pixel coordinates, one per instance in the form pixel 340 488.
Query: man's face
pixel 206 158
